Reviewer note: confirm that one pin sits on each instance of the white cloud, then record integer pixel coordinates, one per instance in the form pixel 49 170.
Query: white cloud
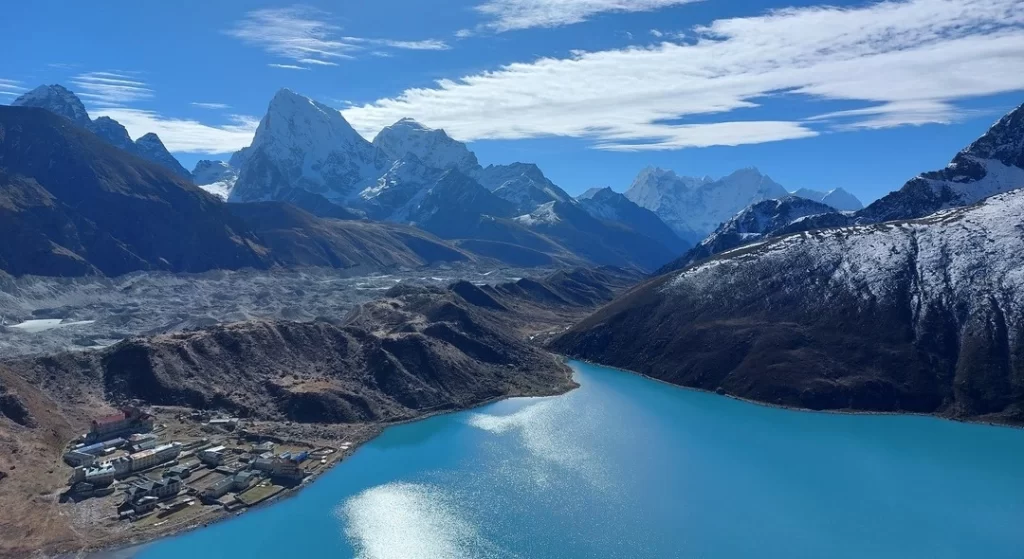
pixel 210 105
pixel 429 44
pixel 316 62
pixel 11 87
pixel 287 67
pixel 671 35
pixel 183 135
pixel 890 115
pixel 306 36
pixel 110 89
pixel 508 15
pixel 911 59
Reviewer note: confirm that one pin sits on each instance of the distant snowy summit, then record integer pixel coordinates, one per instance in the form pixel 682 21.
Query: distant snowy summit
pixel 991 165
pixel 61 101
pixel 836 198
pixel 434 148
pixel 696 206
pixel 215 177
pixel 416 175
pixel 693 207
pixel 303 144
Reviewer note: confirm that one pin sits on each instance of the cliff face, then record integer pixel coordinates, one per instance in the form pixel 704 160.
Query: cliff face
pixel 921 316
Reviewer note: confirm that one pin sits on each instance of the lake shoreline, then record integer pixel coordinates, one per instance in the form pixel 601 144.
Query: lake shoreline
pixel 847 411
pixel 121 549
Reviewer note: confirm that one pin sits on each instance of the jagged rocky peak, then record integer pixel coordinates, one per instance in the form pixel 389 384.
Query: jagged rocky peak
pixel 112 131
pixel 753 179
pixel 992 164
pixel 694 207
pixel 653 184
pixel 1004 141
pixel 434 147
pixel 149 147
pixel 58 100
pixel 522 184
pixel 298 121
pixel 301 143
pixel 597 193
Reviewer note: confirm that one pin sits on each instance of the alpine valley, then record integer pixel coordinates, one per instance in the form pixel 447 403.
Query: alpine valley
pixel 177 347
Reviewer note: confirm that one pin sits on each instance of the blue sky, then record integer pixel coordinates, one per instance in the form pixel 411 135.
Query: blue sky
pixel 860 95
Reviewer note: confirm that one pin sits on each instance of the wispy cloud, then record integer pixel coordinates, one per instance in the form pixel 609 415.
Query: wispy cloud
pixel 184 135
pixel 509 15
pixel 429 44
pixel 306 36
pixel 210 105
pixel 891 115
pixel 11 87
pixel 111 89
pixel 671 35
pixel 316 62
pixel 909 61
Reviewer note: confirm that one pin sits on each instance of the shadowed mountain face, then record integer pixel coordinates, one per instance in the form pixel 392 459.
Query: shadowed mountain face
pixel 921 316
pixel 296 237
pixel 74 205
pixel 84 206
pixel 61 101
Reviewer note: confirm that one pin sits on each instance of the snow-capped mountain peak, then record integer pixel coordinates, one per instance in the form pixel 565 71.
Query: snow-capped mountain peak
pixel 301 143
pixel 433 147
pixel 694 207
pixel 58 100
pixel 215 177
pixel 523 184
pixel 1003 142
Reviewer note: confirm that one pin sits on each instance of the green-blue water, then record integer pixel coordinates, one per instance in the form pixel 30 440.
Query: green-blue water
pixel 625 467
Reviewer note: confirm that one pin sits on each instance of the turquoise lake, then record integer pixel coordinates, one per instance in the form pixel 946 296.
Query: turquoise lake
pixel 625 467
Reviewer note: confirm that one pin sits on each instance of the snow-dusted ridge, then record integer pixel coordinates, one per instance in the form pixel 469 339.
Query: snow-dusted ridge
pixel 970 256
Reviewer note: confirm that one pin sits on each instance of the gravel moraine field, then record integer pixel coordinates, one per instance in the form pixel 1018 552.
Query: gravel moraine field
pixel 150 303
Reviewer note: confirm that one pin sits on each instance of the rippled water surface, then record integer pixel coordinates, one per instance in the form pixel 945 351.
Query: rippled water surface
pixel 625 467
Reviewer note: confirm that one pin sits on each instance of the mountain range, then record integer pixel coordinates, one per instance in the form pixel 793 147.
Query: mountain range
pixel 72 204
pixel 59 100
pixel 990 165
pixel 695 206
pixel 411 174
pixel 921 313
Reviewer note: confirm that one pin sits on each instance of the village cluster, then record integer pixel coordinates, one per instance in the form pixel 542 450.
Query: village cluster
pixel 127 457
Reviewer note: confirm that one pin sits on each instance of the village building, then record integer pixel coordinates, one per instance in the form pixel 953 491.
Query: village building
pixel 154 456
pixel 213 456
pixel 128 420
